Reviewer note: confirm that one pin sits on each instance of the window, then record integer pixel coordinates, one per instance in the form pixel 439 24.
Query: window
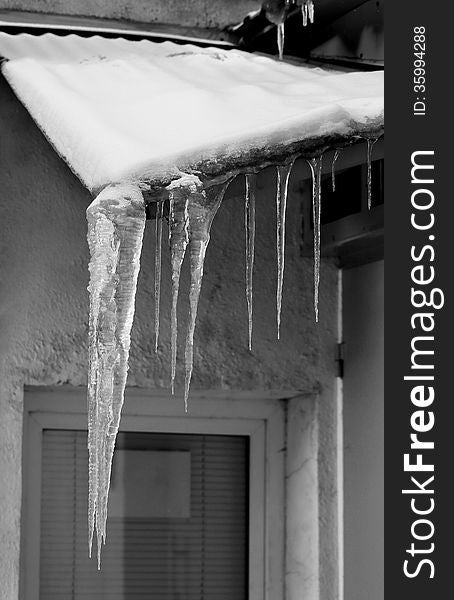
pixel 195 501
pixel 177 525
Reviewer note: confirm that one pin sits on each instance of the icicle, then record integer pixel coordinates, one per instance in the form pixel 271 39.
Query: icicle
pixel 281 39
pixel 304 13
pixel 283 175
pixel 116 221
pixel 310 10
pixel 370 145
pixel 315 165
pixel 179 192
pixel 202 208
pixel 307 10
pixel 249 225
pixel 333 168
pixel 157 271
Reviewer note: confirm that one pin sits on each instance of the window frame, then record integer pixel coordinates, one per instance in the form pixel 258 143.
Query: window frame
pixel 259 417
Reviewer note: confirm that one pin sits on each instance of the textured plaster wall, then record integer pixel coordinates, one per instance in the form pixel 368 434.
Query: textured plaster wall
pixel 198 13
pixel 44 313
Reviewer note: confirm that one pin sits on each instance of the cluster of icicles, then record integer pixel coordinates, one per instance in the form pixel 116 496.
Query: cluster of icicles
pixel 116 222
pixel 307 10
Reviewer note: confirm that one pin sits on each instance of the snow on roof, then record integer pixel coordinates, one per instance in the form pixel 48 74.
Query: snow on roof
pixel 120 110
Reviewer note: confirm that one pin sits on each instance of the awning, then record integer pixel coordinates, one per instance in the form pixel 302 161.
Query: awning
pixel 119 110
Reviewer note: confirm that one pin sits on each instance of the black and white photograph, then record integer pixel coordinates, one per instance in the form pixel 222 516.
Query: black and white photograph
pixel 192 301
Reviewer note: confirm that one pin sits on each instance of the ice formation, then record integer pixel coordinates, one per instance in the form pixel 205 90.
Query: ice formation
pixel 307 10
pixel 249 227
pixel 192 210
pixel 157 271
pixel 370 145
pixel 281 40
pixel 315 165
pixel 333 169
pixel 116 221
pixel 283 175
pixel 179 190
pixel 202 208
pixel 277 12
pixel 125 115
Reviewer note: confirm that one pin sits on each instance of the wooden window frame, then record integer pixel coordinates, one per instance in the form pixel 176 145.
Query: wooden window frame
pixel 260 418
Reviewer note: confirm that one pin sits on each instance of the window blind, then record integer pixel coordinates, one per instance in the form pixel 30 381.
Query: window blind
pixel 199 552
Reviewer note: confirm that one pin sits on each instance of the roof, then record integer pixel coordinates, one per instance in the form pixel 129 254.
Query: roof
pixel 119 110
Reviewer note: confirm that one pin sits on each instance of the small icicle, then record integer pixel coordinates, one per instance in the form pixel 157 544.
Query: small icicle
pixel 281 39
pixel 310 10
pixel 249 226
pixel 333 168
pixel 307 10
pixel 157 270
pixel 304 13
pixel 315 165
pixel 370 145
pixel 283 175
pixel 116 221
pixel 179 192
pixel 202 208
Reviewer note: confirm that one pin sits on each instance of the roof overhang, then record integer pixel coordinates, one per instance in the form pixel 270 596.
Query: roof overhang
pixel 119 110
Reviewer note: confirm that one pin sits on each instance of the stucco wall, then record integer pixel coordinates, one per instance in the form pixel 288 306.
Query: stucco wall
pixel 199 13
pixel 44 312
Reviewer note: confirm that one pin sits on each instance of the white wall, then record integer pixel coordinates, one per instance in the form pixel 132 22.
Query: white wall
pixel 363 432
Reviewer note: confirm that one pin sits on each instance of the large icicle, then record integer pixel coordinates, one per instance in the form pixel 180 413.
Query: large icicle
pixel 249 226
pixel 116 221
pixel 315 165
pixel 202 208
pixel 283 175
pixel 370 145
pixel 157 271
pixel 179 192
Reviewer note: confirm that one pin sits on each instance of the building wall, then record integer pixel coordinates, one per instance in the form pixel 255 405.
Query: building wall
pixel 198 13
pixel 44 314
pixel 363 432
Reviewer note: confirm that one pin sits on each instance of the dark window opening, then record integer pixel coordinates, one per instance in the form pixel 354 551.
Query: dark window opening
pixel 350 195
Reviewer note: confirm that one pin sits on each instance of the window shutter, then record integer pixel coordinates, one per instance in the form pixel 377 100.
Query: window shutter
pixel 198 554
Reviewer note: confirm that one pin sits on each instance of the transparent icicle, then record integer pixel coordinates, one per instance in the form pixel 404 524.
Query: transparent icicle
pixel 157 271
pixel 370 145
pixel 281 39
pixel 283 175
pixel 307 10
pixel 333 169
pixel 315 165
pixel 304 13
pixel 249 226
pixel 202 208
pixel 311 10
pixel 116 221
pixel 179 192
